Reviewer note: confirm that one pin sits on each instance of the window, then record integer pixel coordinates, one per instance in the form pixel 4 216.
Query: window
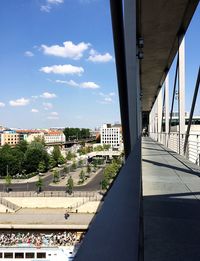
pixel 8 255
pixel 41 255
pixel 1 255
pixel 19 255
pixel 30 255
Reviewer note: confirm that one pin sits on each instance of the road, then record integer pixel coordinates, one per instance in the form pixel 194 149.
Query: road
pixel 93 185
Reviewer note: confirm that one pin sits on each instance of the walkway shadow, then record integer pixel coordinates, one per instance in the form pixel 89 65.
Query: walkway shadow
pixel 189 171
pixel 171 227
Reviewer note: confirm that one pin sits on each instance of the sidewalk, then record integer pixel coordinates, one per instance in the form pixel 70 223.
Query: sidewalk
pixel 171 193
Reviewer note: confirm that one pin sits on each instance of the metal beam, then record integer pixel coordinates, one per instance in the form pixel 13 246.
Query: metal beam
pixel 167 104
pixel 181 89
pixel 132 70
pixel 118 36
pixel 192 110
pixel 174 92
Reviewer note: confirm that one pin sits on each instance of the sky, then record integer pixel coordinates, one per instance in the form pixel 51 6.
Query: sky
pixel 57 64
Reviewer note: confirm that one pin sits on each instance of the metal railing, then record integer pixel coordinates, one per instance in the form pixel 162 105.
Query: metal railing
pixel 9 204
pixel 176 143
pixel 88 194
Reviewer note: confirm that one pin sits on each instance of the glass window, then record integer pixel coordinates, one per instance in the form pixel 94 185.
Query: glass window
pixel 30 255
pixel 1 255
pixel 41 255
pixel 19 255
pixel 8 255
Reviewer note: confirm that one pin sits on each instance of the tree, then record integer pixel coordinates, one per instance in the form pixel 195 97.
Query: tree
pixel 56 154
pixel 88 169
pixel 34 155
pixel 69 155
pixel 82 176
pixel 66 169
pixel 8 181
pixel 106 146
pixel 104 184
pixel 80 163
pixel 39 185
pixel 73 166
pixel 52 162
pixel 69 185
pixel 42 166
pixel 61 160
pixel 55 176
pixel 22 146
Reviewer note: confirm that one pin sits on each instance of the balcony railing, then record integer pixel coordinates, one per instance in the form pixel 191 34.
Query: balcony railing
pixel 175 142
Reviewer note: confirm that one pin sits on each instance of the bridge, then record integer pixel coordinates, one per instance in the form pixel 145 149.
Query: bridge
pixel 70 142
pixel 152 210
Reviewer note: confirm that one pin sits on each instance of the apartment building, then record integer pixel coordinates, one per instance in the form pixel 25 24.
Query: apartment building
pixel 10 137
pixel 54 137
pixel 110 135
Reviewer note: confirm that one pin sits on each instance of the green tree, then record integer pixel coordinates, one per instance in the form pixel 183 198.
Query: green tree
pixel 55 176
pixel 88 169
pixel 73 166
pixel 82 176
pixel 69 155
pixel 52 162
pixel 106 146
pixel 39 185
pixel 22 146
pixel 42 166
pixel 66 169
pixel 34 155
pixel 80 163
pixel 8 181
pixel 69 185
pixel 61 160
pixel 104 183
pixel 56 154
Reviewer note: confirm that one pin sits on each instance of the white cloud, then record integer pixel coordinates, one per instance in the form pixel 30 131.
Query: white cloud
pixel 106 98
pixel 19 102
pixel 62 69
pixel 55 1
pixel 49 4
pixel 48 95
pixel 71 83
pixel 54 113
pixel 89 85
pixel 34 97
pixel 47 105
pixel 84 85
pixel 68 50
pixel 52 117
pixel 99 58
pixel 34 110
pixel 29 54
pixel 2 104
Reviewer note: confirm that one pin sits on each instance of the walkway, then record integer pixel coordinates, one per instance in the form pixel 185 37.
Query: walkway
pixel 171 204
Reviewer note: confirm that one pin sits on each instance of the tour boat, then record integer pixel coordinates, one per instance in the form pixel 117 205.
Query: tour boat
pixel 33 253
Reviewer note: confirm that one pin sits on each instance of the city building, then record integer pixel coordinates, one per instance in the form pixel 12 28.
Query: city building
pixel 110 135
pixel 10 137
pixel 54 137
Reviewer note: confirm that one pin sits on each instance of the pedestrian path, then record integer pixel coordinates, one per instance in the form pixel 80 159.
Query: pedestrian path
pixel 171 206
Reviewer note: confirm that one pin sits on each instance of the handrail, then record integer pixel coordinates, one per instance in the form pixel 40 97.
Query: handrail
pixel 114 234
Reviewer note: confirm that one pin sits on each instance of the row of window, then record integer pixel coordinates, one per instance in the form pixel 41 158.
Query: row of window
pixel 17 255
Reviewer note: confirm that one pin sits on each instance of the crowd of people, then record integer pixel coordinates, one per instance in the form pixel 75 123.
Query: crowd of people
pixel 40 239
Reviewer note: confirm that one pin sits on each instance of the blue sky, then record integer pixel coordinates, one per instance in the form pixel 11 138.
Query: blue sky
pixel 57 66
pixel 57 63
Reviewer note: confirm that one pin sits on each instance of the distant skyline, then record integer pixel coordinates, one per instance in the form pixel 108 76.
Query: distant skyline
pixel 57 64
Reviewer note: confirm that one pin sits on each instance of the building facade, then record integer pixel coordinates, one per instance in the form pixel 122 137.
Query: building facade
pixel 10 137
pixel 54 137
pixel 110 135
